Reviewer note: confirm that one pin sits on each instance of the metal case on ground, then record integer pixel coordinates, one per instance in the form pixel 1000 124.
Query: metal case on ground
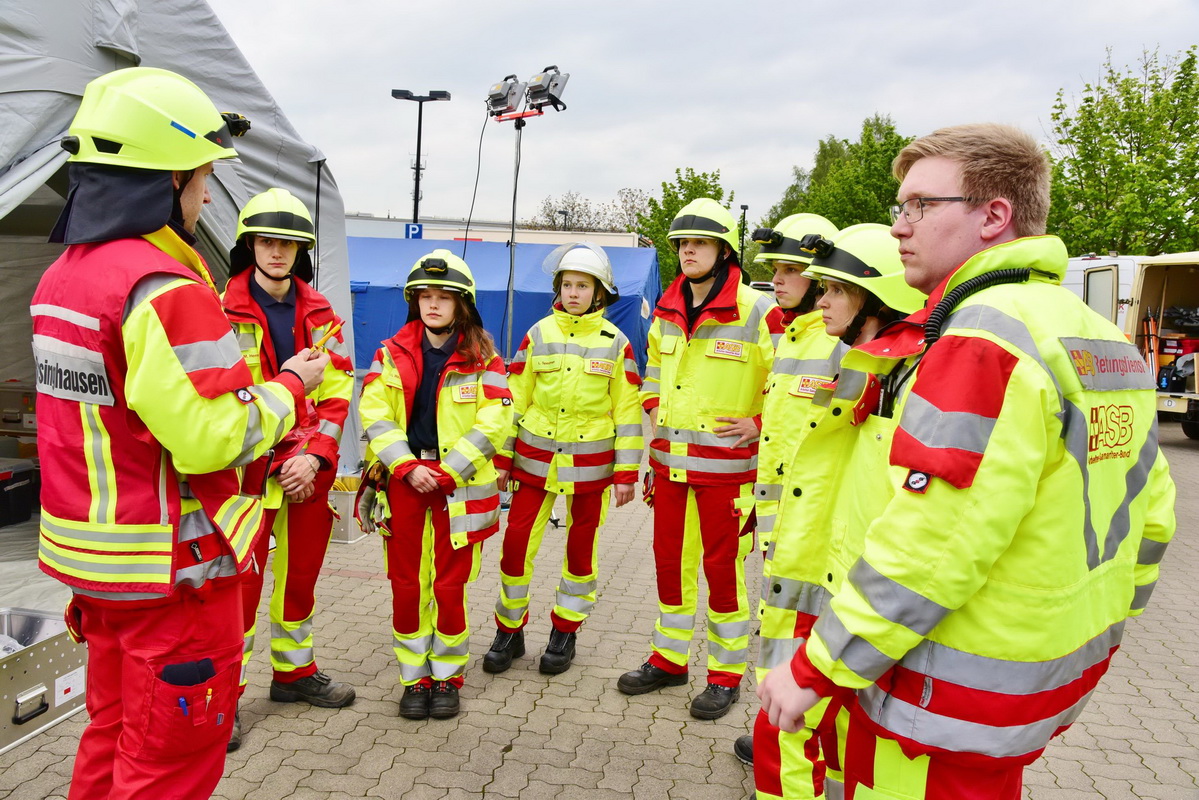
pixel 42 683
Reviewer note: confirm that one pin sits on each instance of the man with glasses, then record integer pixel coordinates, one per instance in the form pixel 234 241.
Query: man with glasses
pixel 1029 502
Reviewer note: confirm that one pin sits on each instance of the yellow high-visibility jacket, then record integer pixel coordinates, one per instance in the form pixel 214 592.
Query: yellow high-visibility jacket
pixel 717 368
pixel 806 358
pixel 574 384
pixel 474 416
pixel 314 317
pixel 1028 508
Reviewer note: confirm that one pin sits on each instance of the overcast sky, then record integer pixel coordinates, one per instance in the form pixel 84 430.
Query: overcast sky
pixel 744 88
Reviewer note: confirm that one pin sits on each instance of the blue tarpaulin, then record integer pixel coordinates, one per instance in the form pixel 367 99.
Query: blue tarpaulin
pixel 379 267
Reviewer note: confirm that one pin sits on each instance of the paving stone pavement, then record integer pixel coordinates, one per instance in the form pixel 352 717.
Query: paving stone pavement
pixel 522 734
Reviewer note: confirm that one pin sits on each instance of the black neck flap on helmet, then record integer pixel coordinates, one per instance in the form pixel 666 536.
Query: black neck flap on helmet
pixel 106 202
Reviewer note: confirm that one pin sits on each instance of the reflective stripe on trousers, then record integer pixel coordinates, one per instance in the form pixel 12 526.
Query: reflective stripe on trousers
pixel 531 509
pixel 694 524
pixel 428 578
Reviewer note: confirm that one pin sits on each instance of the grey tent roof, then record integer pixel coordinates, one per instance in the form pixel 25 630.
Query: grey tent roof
pixel 50 50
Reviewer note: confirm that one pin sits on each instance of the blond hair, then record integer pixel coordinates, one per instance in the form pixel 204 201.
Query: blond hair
pixel 994 161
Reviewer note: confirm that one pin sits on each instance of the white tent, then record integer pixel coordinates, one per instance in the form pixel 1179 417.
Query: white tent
pixel 49 50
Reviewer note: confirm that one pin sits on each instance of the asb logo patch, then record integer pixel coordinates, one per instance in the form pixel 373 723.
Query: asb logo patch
pixel 1110 427
pixel 598 366
pixel 806 386
pixel 722 347
pixel 466 393
pixel 916 482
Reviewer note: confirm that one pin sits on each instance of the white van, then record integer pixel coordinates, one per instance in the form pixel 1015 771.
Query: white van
pixel 1162 284
pixel 1104 283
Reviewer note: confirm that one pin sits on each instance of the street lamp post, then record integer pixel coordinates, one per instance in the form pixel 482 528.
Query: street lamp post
pixel 565 218
pixel 741 255
pixel 420 100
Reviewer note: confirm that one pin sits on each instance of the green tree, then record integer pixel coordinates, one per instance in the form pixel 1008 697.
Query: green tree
pixel 654 222
pixel 1126 159
pixel 849 182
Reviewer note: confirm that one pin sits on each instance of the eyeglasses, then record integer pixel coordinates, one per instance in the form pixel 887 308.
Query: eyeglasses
pixel 912 209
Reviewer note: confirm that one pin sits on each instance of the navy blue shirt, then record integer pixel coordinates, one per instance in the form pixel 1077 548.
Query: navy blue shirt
pixel 280 319
pixel 422 427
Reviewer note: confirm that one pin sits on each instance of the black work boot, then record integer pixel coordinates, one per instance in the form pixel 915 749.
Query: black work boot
pixel 648 678
pixel 444 702
pixel 415 702
pixel 318 689
pixel 714 702
pixel 235 739
pixel 559 653
pixel 504 648
pixel 743 749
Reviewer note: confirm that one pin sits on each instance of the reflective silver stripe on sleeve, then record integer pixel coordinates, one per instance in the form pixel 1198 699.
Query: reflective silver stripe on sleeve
pixel 394 452
pixel 252 438
pixel 222 353
pixel 379 428
pixel 934 428
pixel 859 655
pixel 330 429
pixel 894 601
pixel 1140 597
pixel 773 653
pixel 494 379
pixel 1151 552
pixel 628 430
pixel 146 287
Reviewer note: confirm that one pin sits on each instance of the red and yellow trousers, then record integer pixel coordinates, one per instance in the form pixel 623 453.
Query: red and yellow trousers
pixel 149 737
pixel 428 586
pixel 302 532
pixel 861 765
pixel 877 769
pixel 795 766
pixel 527 520
pixel 708 525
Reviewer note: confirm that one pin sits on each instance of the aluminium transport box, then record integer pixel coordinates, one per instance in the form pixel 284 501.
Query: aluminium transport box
pixel 42 683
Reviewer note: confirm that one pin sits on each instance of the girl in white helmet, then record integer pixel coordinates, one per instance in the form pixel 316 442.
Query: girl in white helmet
pixel 577 434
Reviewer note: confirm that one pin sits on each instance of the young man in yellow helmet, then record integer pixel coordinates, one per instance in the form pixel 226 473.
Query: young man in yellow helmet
pixel 148 411
pixel 275 312
pixel 710 350
pixel 1028 504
